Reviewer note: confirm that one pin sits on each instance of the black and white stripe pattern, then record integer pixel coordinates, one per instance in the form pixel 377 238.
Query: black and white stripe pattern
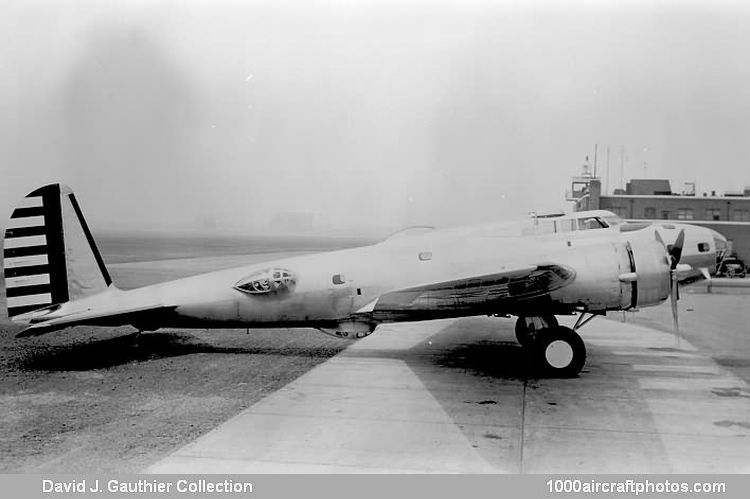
pixel 34 253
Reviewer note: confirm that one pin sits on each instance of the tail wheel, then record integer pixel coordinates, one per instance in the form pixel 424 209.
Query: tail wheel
pixel 561 352
pixel 528 327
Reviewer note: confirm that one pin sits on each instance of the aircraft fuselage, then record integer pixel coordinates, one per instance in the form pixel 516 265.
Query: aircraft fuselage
pixel 331 288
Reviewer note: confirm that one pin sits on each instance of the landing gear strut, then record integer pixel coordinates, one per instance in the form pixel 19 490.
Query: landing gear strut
pixel 557 350
pixel 529 327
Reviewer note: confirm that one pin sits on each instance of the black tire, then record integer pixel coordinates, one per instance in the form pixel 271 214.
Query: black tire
pixel 560 352
pixel 528 328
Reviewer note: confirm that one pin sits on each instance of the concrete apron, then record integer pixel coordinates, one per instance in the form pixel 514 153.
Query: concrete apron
pixel 459 396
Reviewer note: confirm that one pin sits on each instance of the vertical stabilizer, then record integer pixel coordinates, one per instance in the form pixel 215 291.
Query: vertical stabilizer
pixel 49 253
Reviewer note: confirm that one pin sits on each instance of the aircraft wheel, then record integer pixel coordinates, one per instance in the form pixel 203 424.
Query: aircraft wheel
pixel 529 327
pixel 561 352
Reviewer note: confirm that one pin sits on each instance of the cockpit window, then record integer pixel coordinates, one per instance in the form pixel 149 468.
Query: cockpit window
pixel 704 247
pixel 613 220
pixel 592 223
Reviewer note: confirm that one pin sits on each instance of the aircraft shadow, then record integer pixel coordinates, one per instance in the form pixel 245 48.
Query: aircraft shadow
pixel 474 347
pixel 478 374
pixel 495 359
pixel 120 350
pixel 479 377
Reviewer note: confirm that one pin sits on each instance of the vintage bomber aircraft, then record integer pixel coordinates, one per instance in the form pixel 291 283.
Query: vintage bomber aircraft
pixel 56 278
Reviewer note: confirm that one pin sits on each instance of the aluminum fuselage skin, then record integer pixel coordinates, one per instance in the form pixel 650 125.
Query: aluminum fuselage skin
pixel 319 299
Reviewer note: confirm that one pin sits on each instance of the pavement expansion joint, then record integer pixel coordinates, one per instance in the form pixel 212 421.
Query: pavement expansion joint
pixel 394 402
pixel 522 432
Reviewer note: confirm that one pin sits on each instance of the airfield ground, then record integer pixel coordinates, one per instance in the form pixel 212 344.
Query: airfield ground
pixel 91 399
pixel 441 396
pixel 459 396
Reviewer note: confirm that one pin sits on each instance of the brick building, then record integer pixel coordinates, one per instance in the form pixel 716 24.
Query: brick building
pixel 653 199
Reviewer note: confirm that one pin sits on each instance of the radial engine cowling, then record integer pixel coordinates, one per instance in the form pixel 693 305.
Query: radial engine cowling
pixel 629 272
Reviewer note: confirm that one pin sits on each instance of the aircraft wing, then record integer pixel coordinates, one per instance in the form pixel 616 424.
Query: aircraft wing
pixel 521 283
pixel 142 315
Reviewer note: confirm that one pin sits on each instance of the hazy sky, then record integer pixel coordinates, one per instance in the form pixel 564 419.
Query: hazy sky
pixel 363 113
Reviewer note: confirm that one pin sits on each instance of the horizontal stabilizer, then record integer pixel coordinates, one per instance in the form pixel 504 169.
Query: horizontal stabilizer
pixel 143 315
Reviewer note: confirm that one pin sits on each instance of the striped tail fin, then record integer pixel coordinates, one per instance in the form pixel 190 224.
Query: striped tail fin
pixel 49 253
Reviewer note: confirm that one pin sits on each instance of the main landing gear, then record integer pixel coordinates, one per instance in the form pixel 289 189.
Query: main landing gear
pixel 557 349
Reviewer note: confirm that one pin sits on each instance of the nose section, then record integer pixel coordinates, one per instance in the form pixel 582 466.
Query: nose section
pixel 704 247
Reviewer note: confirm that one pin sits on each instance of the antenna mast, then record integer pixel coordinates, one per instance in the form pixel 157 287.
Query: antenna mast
pixel 606 182
pixel 596 147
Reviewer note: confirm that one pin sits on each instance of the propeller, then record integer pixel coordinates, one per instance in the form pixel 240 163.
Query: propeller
pixel 675 253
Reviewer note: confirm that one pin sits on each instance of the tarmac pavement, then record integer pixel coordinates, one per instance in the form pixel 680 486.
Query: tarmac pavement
pixel 459 396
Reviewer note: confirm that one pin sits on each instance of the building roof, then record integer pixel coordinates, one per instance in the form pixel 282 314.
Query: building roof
pixel 674 196
pixel 648 187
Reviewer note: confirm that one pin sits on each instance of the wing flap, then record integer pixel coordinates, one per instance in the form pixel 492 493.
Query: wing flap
pixel 517 284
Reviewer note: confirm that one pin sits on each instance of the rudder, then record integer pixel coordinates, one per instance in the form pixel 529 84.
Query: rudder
pixel 50 256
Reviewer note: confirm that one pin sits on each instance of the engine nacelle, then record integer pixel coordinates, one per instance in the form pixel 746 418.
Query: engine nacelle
pixel 627 273
pixel 351 330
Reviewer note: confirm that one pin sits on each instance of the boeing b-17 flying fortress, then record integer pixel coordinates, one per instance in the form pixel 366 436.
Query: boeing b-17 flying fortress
pixel 56 278
pixel 552 273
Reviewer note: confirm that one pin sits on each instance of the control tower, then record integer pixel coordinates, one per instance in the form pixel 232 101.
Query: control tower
pixel 585 189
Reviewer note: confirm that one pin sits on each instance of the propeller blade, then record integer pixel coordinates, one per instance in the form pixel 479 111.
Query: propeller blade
pixel 675 252
pixel 674 295
pixel 705 273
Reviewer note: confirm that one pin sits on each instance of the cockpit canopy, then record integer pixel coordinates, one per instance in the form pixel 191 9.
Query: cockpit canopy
pixel 268 281
pixel 593 219
pixel 582 220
